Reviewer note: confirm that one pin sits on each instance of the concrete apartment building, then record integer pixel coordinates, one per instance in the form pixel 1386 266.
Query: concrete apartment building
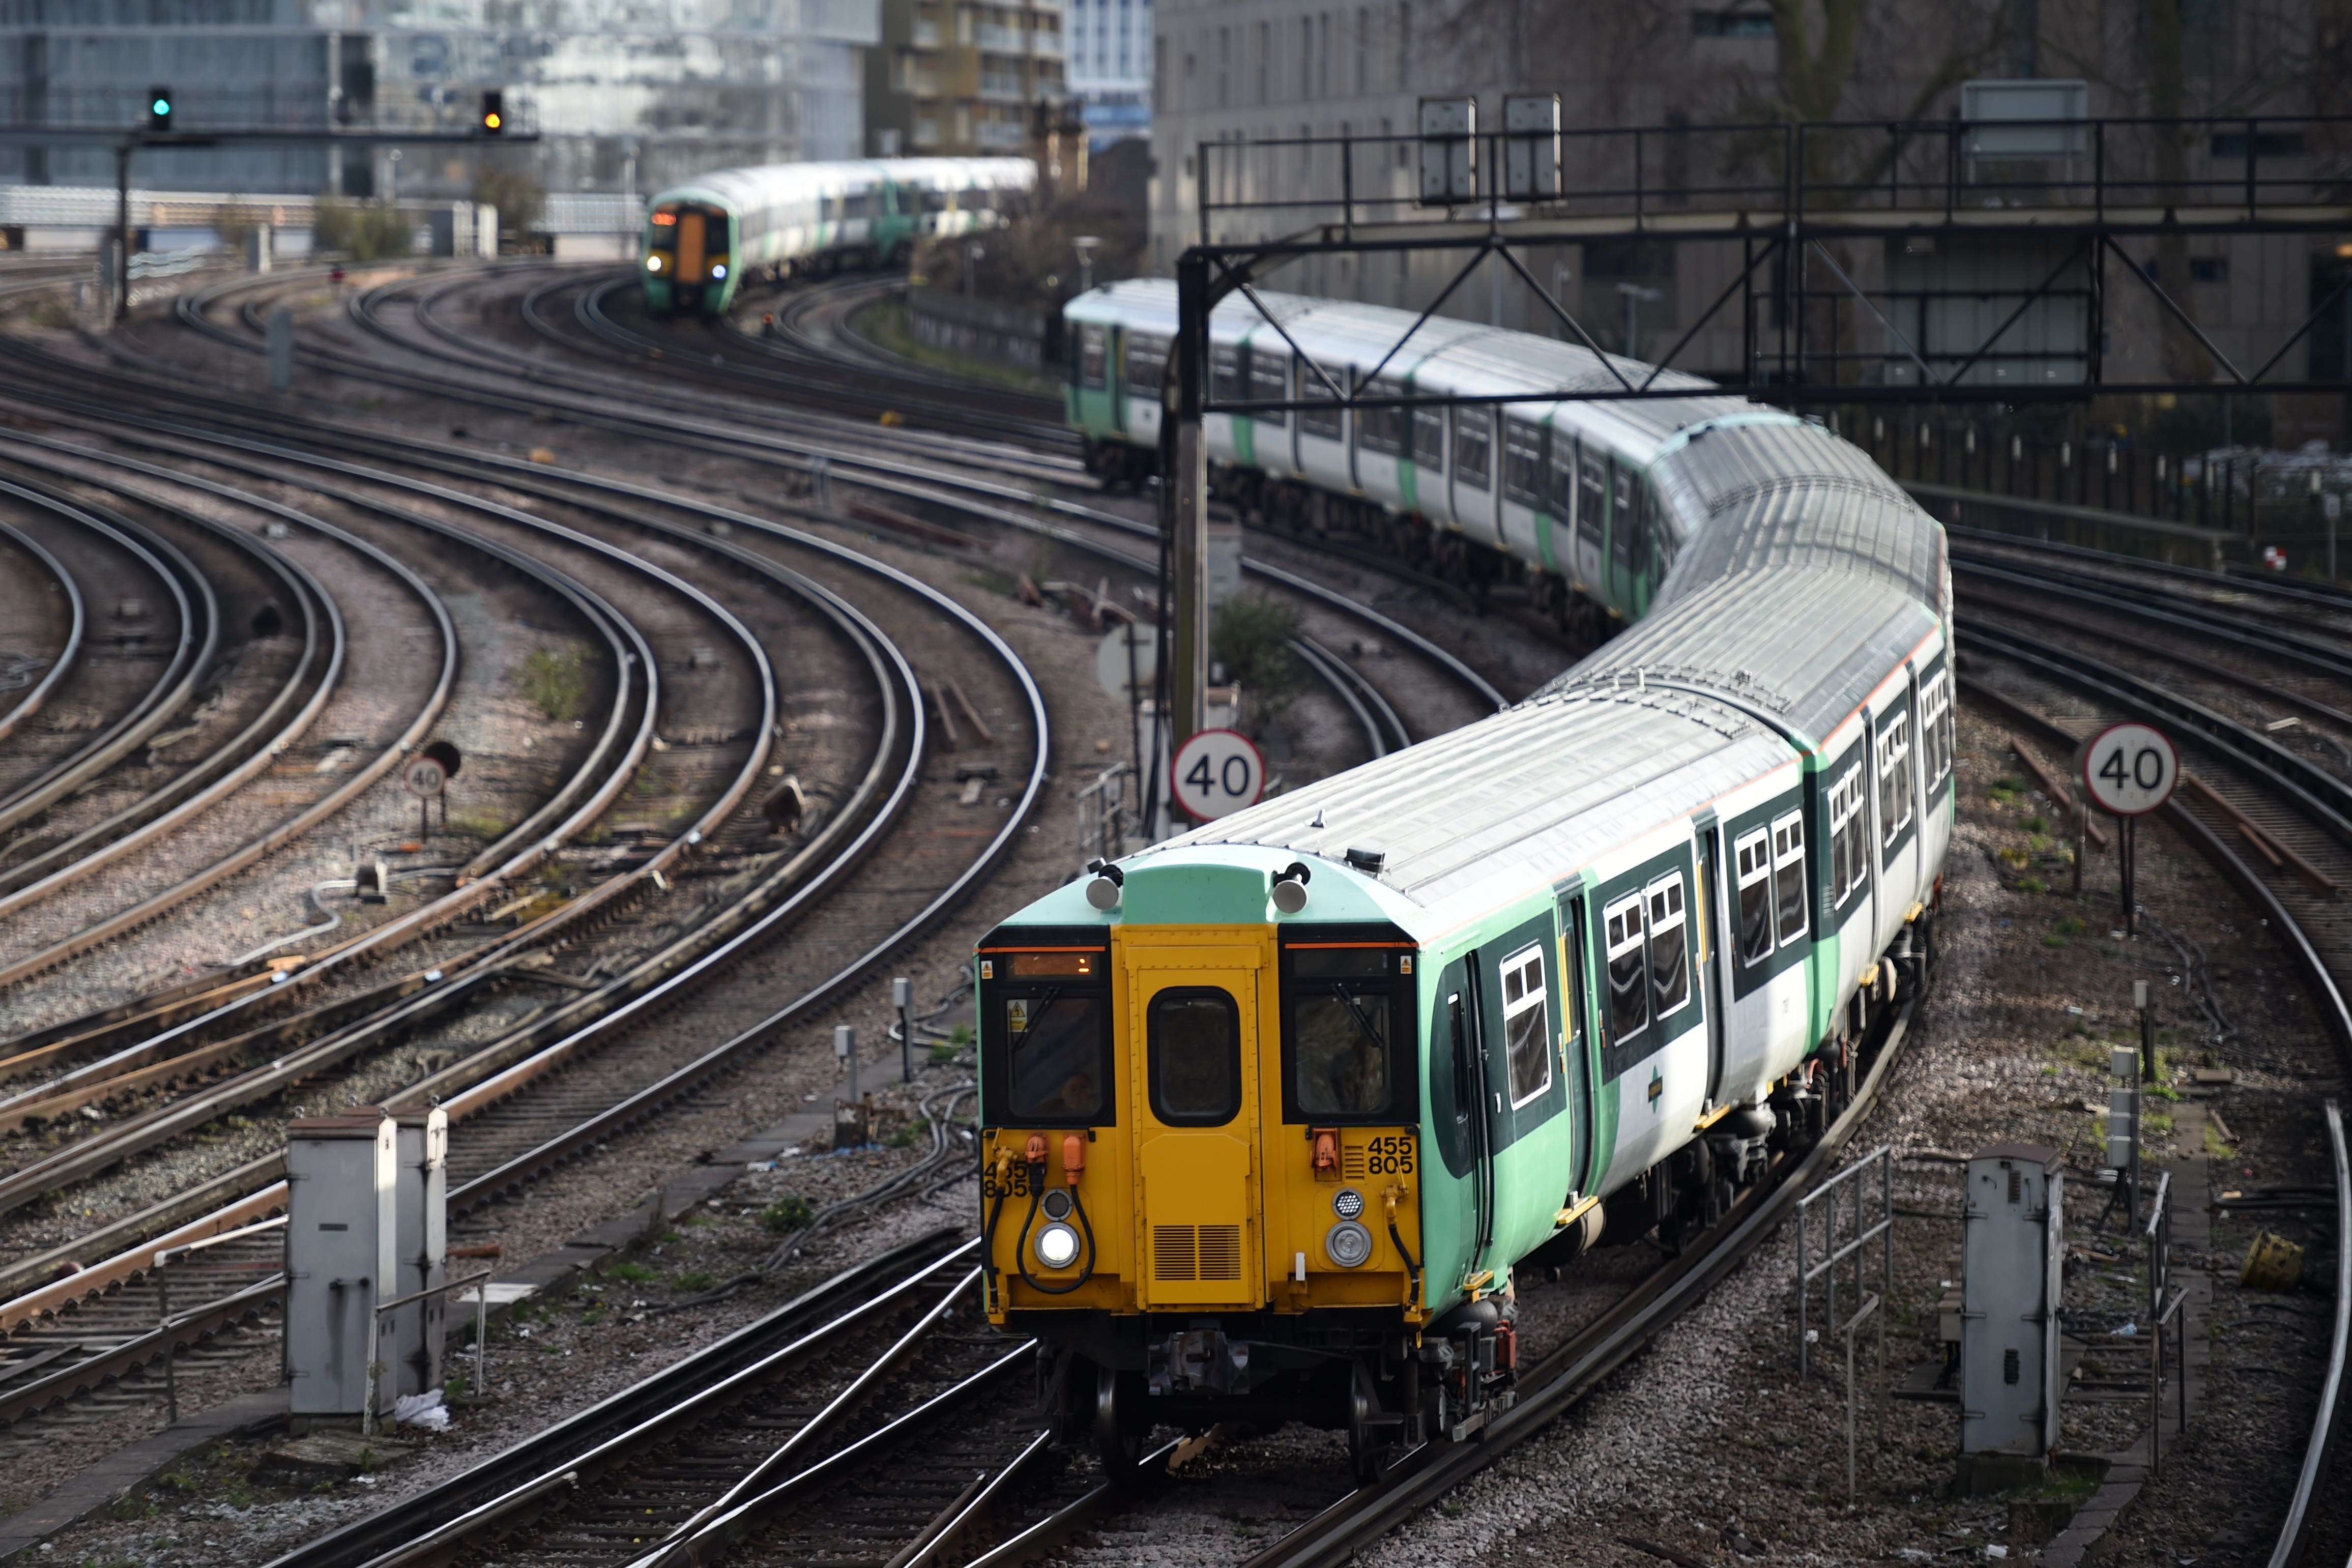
pixel 637 95
pixel 1247 70
pixel 958 79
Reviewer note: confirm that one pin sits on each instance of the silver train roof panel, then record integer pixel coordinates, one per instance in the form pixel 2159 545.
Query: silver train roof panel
pixel 1530 794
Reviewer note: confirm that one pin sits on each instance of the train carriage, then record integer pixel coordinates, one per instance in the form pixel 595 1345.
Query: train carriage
pixel 705 239
pixel 1272 1112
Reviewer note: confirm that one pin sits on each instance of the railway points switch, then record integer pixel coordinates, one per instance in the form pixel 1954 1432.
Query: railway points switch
pixel 2012 1249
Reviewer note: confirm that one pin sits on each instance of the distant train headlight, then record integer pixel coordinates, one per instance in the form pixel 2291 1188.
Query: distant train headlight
pixel 1057 1245
pixel 1347 1244
pixel 719 272
pixel 653 264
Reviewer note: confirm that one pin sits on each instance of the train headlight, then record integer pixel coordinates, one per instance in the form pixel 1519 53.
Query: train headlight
pixel 653 264
pixel 719 272
pixel 1057 1245
pixel 1347 1244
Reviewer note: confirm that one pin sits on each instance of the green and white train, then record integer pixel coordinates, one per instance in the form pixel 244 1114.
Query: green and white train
pixel 706 239
pixel 1274 1110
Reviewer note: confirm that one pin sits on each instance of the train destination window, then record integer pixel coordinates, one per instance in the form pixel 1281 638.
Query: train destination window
pixel 1429 437
pixel 1225 373
pixel 1147 363
pixel 1054 1054
pixel 1849 860
pixel 1091 354
pixel 1754 852
pixel 1472 435
pixel 1523 462
pixel 1789 875
pixel 1589 504
pixel 1669 944
pixel 1269 381
pixel 1893 779
pixel 1628 992
pixel 1526 1031
pixel 1193 1036
pixel 1316 421
pixel 1381 429
pixel 1342 1026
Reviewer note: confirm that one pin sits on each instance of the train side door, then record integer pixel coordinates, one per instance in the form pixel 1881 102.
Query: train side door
pixel 1576 1031
pixel 1460 1094
pixel 1193 1030
pixel 1709 921
pixel 1115 368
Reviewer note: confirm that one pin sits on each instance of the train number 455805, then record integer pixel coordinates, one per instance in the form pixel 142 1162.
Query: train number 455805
pixel 1389 1156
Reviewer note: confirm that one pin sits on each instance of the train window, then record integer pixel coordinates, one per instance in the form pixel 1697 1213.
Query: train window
pixel 1935 736
pixel 1429 436
pixel 1526 1034
pixel 1590 502
pixel 1224 373
pixel 1754 853
pixel 1054 1054
pixel 1473 435
pixel 1465 1061
pixel 1523 462
pixel 1193 1036
pixel 1146 363
pixel 1342 1021
pixel 1789 875
pixel 1629 991
pixel 1849 859
pixel 1893 778
pixel 1269 381
pixel 1092 338
pixel 1330 423
pixel 1669 944
pixel 1381 429
pixel 1563 476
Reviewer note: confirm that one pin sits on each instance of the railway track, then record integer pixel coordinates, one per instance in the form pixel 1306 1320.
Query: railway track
pixel 2272 819
pixel 532 1130
pixel 900 467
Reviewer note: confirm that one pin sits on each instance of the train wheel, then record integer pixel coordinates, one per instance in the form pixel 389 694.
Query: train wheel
pixel 1119 1431
pixel 1367 1435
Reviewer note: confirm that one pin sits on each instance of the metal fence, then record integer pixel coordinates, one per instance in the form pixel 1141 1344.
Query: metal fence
pixel 1845 1231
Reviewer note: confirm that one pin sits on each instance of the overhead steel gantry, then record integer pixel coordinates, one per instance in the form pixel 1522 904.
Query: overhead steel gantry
pixel 2075 188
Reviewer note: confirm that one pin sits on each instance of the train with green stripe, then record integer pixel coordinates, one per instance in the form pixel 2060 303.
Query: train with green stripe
pixel 710 237
pixel 1276 1113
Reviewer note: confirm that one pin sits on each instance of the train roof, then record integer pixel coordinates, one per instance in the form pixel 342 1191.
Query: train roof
pixel 1510 804
pixel 764 181
pixel 1466 357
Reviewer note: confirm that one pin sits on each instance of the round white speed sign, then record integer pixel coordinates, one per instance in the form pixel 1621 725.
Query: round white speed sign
pixel 2130 769
pixel 423 777
pixel 1216 773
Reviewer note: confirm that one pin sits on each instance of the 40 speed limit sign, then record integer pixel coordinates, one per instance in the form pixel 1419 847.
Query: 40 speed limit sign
pixel 2129 770
pixel 1216 773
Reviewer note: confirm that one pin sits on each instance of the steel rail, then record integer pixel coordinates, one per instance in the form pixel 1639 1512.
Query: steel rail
pixel 1566 1375
pixel 907 480
pixel 199 616
pixel 427 715
pixel 76 625
pixel 236 762
pixel 449 1510
pixel 2336 1018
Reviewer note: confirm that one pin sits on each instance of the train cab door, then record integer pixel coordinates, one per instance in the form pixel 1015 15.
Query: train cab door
pixel 693 245
pixel 1193 1007
pixel 1115 369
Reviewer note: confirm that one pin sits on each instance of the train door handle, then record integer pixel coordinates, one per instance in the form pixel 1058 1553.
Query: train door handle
pixel 1498 1104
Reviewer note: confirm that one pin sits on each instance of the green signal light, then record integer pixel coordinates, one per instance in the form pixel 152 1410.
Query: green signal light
pixel 162 106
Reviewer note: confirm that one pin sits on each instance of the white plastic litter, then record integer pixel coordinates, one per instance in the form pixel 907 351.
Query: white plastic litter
pixel 423 1410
